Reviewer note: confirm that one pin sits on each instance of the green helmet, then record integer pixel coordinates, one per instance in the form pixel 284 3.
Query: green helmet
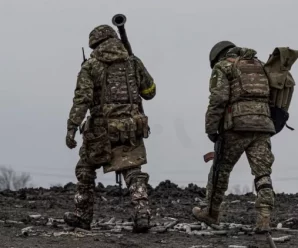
pixel 100 34
pixel 217 49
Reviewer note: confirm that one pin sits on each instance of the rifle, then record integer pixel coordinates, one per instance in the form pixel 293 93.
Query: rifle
pixel 119 20
pixel 119 181
pixel 217 157
pixel 84 58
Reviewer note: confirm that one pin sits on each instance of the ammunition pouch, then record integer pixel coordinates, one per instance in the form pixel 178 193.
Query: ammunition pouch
pixel 122 129
pixel 281 89
pixel 129 129
pixel 246 115
pixel 124 122
pixel 143 129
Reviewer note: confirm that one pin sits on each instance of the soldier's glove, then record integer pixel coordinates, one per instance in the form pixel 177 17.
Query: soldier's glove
pixel 213 137
pixel 70 138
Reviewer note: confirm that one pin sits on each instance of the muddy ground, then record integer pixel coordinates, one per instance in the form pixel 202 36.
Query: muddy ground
pixel 40 211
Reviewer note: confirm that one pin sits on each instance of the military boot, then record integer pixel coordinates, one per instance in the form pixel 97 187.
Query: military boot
pixel 142 213
pixel 84 201
pixel 263 221
pixel 141 217
pixel 73 220
pixel 204 216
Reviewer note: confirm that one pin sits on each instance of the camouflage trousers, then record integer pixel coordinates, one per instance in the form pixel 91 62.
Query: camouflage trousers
pixel 136 181
pixel 257 147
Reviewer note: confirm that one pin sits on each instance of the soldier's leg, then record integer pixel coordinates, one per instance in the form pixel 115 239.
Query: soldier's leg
pixel 84 197
pixel 234 146
pixel 136 182
pixel 209 186
pixel 260 158
pixel 204 202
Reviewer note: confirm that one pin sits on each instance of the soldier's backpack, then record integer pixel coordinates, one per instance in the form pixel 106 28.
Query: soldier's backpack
pixel 282 84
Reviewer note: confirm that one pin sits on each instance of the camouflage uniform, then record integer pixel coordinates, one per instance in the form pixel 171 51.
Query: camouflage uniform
pixel 110 85
pixel 239 106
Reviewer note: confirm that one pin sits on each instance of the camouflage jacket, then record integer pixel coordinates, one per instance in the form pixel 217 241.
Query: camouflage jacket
pixel 227 108
pixel 88 89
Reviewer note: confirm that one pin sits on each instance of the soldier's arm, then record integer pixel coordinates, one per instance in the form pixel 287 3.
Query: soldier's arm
pixel 147 85
pixel 219 96
pixel 83 97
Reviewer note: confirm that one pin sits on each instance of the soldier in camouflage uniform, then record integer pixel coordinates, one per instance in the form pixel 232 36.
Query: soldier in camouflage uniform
pixel 239 110
pixel 111 85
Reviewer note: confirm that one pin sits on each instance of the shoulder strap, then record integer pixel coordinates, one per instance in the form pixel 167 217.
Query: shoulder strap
pixel 103 87
pixel 127 84
pixel 235 62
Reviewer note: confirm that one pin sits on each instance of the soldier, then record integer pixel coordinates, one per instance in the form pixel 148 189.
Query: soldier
pixel 239 111
pixel 111 85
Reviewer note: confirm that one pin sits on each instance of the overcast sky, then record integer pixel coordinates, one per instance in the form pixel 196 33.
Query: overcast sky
pixel 40 55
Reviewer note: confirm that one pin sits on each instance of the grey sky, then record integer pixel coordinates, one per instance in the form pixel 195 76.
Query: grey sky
pixel 40 57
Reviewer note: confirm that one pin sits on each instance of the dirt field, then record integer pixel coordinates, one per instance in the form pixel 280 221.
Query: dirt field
pixel 32 218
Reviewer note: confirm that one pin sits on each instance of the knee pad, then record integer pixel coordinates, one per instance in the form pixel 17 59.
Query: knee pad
pixel 142 177
pixel 266 194
pixel 135 175
pixel 85 174
pixel 263 182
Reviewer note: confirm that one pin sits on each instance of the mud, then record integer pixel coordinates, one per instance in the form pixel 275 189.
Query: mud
pixel 33 218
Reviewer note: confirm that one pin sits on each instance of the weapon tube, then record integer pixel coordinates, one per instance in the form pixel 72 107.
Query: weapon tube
pixel 119 20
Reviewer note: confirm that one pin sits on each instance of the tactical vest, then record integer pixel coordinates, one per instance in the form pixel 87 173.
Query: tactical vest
pixel 250 81
pixel 121 84
pixel 119 106
pixel 248 108
pixel 282 84
pixel 116 119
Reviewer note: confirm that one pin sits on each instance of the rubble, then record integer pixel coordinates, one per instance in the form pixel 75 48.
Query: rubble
pixel 282 239
pixel 291 223
pixel 12 222
pixel 39 213
pixel 25 231
pixel 169 224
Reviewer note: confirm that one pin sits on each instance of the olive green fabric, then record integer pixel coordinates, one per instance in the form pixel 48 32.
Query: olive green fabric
pixel 239 94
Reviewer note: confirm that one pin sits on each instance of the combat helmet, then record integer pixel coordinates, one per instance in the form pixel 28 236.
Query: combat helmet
pixel 100 34
pixel 217 49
